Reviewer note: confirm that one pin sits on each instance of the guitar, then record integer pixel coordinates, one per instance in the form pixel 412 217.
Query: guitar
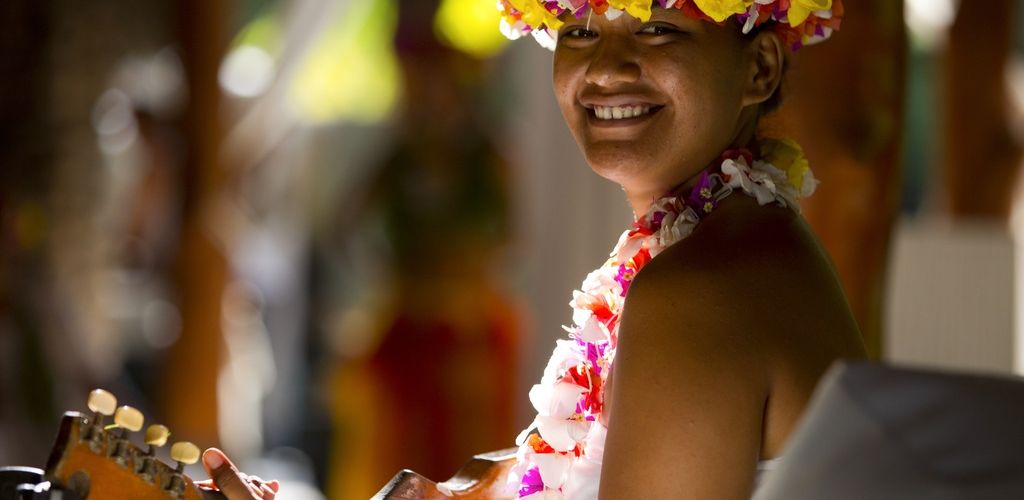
pixel 483 477
pixel 90 460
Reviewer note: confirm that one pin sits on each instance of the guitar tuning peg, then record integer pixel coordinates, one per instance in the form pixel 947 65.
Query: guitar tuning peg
pixel 156 435
pixel 102 402
pixel 129 418
pixel 185 453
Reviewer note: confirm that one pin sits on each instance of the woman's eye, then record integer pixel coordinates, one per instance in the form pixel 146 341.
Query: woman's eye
pixel 578 32
pixel 658 29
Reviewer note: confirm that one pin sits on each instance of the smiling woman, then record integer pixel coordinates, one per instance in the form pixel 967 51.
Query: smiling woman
pixel 671 65
pixel 691 383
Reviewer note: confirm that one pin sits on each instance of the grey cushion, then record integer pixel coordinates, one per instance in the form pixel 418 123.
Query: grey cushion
pixel 877 432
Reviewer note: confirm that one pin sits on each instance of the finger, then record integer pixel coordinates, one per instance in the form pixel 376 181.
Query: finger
pixel 273 484
pixel 226 476
pixel 268 494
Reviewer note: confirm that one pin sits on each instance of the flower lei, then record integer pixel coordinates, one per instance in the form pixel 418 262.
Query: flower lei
pixel 560 453
pixel 798 22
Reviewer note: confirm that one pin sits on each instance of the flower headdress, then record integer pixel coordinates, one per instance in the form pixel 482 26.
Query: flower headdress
pixel 798 22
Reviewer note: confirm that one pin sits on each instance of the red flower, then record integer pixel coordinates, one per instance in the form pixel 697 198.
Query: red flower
pixel 539 445
pixel 641 259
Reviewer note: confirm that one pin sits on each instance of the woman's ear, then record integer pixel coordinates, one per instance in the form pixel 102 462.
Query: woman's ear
pixel 767 65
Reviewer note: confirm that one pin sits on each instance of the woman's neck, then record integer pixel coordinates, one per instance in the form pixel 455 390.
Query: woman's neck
pixel 745 138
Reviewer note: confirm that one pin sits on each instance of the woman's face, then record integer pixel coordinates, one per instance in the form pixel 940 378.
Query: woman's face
pixel 652 103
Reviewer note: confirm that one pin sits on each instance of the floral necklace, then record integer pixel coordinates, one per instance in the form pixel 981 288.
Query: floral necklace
pixel 560 453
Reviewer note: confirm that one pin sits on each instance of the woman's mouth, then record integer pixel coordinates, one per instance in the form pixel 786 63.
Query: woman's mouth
pixel 619 116
pixel 621 112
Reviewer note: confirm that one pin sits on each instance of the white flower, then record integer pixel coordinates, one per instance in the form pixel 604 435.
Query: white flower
pixel 560 433
pixel 523 435
pixel 553 468
pixel 545 38
pixel 565 354
pixel 752 182
pixel 623 238
pixel 518 470
pixel 566 4
pixel 673 229
pixel 752 16
pixel 594 331
pixel 809 184
pixel 599 279
pixel 585 475
pixel 556 405
pixel 558 400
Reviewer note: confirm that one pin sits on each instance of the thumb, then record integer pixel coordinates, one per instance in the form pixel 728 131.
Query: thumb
pixel 226 476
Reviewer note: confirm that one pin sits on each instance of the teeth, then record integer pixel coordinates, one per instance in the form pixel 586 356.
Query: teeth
pixel 620 112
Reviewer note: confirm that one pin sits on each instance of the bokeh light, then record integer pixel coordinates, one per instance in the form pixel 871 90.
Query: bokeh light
pixel 351 72
pixel 470 26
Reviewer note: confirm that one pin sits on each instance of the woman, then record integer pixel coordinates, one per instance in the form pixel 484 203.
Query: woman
pixel 691 383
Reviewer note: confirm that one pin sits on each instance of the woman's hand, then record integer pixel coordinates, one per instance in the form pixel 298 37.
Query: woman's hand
pixel 235 485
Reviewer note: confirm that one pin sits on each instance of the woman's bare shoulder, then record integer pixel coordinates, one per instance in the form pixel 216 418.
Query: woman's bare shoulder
pixel 747 267
pixel 714 296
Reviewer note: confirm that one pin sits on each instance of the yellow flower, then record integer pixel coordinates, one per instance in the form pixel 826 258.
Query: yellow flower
pixel 640 9
pixel 799 10
pixel 535 15
pixel 720 10
pixel 787 156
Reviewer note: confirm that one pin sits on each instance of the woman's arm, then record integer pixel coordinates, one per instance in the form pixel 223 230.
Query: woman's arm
pixel 689 386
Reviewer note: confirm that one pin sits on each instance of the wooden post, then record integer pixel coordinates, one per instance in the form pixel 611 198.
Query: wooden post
pixel 193 363
pixel 981 155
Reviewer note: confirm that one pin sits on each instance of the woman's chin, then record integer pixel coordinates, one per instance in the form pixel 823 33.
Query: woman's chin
pixel 620 164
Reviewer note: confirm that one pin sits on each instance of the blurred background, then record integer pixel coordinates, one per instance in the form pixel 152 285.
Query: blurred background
pixel 337 237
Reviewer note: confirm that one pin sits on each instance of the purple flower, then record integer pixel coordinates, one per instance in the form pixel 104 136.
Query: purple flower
pixel 531 483
pixel 594 353
pixel 656 219
pixel 624 277
pixel 702 199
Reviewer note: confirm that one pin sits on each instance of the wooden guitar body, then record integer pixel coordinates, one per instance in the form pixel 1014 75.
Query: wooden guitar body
pixel 483 477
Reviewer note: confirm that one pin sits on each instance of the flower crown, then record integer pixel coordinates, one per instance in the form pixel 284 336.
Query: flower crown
pixel 798 22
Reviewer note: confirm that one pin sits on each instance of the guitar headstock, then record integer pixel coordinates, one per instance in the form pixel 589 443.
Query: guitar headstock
pixel 99 461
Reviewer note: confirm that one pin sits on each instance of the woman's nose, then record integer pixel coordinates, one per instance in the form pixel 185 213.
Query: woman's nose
pixel 612 64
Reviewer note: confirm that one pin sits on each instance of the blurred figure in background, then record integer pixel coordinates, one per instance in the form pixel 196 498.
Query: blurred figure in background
pixel 436 385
